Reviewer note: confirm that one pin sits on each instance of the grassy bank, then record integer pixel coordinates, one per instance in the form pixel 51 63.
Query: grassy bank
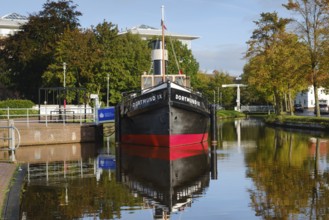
pixel 305 121
pixel 229 114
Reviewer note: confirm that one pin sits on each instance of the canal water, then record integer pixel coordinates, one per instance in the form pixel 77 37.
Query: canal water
pixel 255 172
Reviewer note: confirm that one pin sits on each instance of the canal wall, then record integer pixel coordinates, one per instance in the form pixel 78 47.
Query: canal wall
pixel 54 133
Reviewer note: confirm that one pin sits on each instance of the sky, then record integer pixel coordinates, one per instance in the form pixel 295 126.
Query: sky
pixel 224 26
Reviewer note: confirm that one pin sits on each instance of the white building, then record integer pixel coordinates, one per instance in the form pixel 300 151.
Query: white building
pixel 11 23
pixel 306 98
pixel 147 32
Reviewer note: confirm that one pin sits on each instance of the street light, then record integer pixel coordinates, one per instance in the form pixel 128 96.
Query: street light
pixel 64 84
pixel 107 90
pixel 64 70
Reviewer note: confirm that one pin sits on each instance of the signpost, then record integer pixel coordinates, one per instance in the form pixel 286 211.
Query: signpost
pixel 105 115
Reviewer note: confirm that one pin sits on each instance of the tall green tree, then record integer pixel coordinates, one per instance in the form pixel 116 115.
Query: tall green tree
pixel 181 59
pixel 29 52
pixel 78 50
pixel 96 55
pixel 313 23
pixel 210 85
pixel 276 60
pixel 129 57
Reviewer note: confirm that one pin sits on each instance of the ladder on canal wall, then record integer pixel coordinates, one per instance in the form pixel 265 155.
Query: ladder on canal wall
pixel 10 137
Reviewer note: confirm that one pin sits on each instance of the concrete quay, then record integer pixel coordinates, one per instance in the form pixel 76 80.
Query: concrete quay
pixel 32 134
pixel 35 134
pixel 7 171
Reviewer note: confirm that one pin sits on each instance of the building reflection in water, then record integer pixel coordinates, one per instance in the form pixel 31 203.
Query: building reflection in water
pixel 166 179
pixel 57 161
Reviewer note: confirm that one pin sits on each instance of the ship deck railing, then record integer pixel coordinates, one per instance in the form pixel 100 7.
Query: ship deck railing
pixel 149 81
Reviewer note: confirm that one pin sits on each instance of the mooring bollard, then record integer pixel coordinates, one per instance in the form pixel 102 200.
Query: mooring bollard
pixel 117 124
pixel 213 125
pixel 213 163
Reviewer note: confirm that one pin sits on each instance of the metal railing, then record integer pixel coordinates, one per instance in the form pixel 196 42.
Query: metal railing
pixel 9 135
pixel 47 115
pixel 257 108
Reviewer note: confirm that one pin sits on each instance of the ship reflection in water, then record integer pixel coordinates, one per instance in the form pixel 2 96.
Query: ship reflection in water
pixel 79 181
pixel 167 178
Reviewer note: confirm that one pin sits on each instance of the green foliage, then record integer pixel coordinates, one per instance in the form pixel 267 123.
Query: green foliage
pixel 307 122
pixel 33 58
pixel 277 61
pixel 312 22
pixel 29 52
pixel 181 59
pixel 16 104
pixel 211 86
pixel 229 114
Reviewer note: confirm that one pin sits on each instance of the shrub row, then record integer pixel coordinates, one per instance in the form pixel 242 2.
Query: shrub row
pixel 16 104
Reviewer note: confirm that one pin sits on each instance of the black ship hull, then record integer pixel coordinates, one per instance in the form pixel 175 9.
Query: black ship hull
pixel 165 116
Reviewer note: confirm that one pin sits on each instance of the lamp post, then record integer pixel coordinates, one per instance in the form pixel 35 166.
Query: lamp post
pixel 64 85
pixel 107 90
pixel 217 96
pixel 64 72
pixel 46 113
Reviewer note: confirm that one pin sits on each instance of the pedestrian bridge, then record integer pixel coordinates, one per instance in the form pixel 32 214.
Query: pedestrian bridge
pixel 257 108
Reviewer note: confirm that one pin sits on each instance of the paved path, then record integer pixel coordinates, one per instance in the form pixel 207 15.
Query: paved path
pixel 7 171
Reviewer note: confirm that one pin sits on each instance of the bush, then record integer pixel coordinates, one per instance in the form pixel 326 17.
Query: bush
pixel 16 104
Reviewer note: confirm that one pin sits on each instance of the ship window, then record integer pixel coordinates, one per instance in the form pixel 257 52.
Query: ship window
pixel 146 82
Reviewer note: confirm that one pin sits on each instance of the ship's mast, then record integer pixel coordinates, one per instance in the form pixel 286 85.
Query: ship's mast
pixel 163 43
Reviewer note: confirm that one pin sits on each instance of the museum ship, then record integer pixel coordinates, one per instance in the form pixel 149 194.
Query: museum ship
pixel 166 112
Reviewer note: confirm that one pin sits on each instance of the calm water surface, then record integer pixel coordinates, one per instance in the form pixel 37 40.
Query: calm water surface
pixel 256 172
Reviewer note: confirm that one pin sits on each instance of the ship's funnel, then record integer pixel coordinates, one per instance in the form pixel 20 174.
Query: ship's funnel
pixel 157 55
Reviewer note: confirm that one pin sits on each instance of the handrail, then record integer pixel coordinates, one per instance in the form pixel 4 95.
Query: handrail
pixel 11 138
pixel 47 114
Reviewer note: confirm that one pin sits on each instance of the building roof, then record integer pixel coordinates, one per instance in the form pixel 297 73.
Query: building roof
pixel 14 16
pixel 12 21
pixel 148 32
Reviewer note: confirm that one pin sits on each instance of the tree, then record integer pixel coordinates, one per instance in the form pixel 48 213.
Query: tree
pixel 181 59
pixel 210 85
pixel 78 50
pixel 129 58
pixel 276 60
pixel 93 54
pixel 312 26
pixel 29 52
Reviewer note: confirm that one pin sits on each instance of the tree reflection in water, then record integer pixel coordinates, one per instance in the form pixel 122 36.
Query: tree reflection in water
pixel 263 173
pixel 79 185
pixel 288 181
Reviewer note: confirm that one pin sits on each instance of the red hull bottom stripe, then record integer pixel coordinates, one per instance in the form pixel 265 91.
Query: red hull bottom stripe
pixel 164 140
pixel 162 153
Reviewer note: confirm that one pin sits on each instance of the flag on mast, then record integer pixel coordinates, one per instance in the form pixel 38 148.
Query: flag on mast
pixel 162 18
pixel 163 25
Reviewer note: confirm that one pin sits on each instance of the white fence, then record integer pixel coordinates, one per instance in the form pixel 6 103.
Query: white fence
pixel 49 114
pixel 257 108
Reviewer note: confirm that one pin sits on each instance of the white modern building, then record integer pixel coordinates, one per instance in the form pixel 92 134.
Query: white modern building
pixel 147 32
pixel 306 98
pixel 11 23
